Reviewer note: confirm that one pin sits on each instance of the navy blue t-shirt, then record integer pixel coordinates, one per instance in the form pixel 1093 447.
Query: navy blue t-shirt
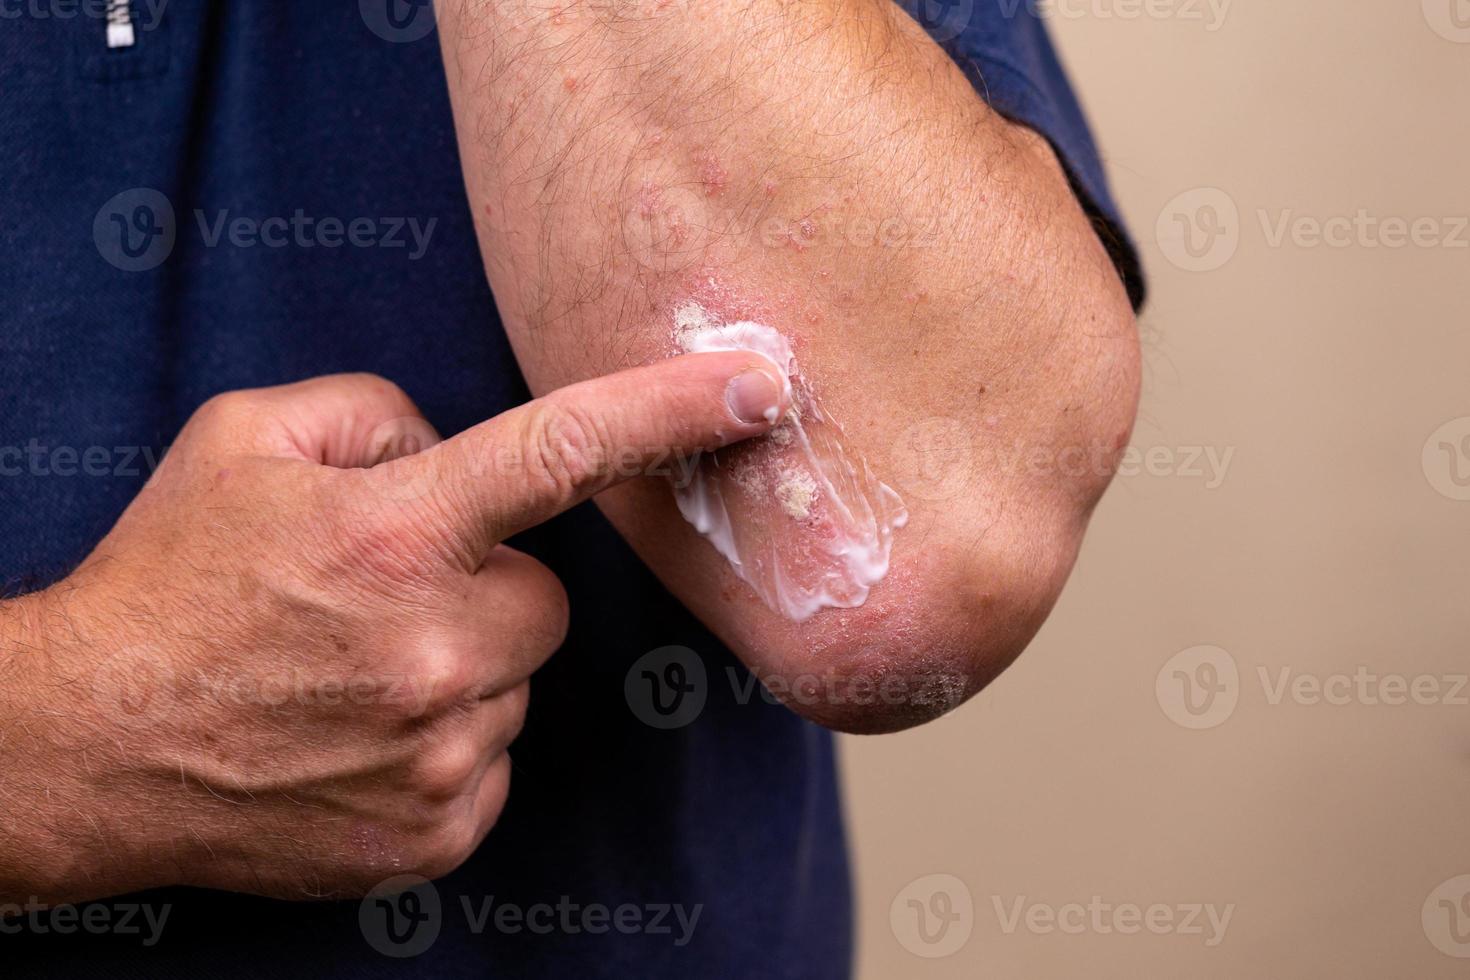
pixel 712 847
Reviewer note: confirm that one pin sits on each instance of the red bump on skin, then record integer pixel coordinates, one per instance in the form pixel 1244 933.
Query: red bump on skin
pixel 569 83
pixel 650 198
pixel 712 174
pixel 770 188
pixel 803 235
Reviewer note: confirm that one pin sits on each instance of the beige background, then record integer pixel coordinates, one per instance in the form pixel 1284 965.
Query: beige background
pixel 1330 541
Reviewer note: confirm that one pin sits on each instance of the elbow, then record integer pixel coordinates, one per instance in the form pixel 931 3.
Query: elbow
pixel 929 638
pixel 975 575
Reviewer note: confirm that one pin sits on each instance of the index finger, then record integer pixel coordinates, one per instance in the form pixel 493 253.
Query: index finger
pixel 525 466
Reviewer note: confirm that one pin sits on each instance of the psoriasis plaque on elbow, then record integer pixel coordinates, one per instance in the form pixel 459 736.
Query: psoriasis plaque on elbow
pixel 798 514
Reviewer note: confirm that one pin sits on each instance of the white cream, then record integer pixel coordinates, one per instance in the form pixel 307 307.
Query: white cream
pixel 797 513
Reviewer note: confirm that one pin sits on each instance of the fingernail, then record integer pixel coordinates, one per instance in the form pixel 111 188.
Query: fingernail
pixel 754 396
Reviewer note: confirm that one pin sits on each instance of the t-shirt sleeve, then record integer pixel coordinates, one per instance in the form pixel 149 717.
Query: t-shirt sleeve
pixel 1004 50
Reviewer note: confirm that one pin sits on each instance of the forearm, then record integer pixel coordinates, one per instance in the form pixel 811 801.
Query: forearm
pixel 619 150
pixel 825 166
pixel 33 845
pixel 60 841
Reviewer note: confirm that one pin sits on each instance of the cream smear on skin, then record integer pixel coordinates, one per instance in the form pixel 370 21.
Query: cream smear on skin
pixel 797 513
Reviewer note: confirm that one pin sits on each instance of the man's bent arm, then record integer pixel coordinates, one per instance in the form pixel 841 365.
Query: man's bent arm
pixel 822 168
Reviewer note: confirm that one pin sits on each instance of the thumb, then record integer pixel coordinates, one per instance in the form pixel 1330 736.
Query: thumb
pixel 527 465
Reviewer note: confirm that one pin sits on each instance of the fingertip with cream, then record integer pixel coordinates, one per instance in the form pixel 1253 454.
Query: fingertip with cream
pixel 759 394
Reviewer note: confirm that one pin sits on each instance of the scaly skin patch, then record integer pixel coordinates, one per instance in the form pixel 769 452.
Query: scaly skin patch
pixel 797 514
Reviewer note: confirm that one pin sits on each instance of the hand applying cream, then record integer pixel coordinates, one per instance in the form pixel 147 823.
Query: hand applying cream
pixel 797 514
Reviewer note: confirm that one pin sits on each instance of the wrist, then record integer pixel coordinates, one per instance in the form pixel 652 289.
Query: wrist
pixel 66 834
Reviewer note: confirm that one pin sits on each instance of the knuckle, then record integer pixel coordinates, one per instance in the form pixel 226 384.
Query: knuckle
pixel 225 410
pixel 379 391
pixel 514 704
pixel 228 402
pixel 450 845
pixel 556 620
pixel 550 610
pixel 537 612
pixel 446 773
pixel 445 679
pixel 375 382
pixel 566 448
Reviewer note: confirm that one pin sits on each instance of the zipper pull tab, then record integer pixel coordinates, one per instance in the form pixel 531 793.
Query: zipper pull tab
pixel 120 24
